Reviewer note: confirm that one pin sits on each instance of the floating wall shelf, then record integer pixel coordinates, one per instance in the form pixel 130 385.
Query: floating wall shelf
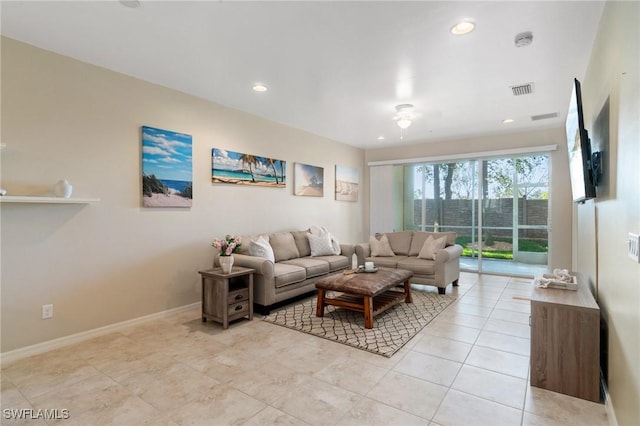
pixel 46 200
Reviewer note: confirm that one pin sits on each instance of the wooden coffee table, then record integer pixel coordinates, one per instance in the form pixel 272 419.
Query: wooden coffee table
pixel 369 293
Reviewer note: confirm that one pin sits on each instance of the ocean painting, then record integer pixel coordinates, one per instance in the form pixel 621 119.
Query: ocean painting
pixel 236 168
pixel 347 180
pixel 309 180
pixel 167 172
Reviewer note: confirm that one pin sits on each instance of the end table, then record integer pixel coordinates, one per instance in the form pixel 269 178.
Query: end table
pixel 226 297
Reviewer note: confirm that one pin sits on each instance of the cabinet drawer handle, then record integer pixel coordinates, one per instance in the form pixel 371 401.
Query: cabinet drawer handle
pixel 238 297
pixel 239 307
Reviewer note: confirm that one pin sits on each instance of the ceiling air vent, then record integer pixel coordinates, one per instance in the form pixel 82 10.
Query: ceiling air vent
pixel 522 89
pixel 544 116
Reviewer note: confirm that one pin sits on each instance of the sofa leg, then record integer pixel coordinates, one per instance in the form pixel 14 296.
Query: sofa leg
pixel 455 283
pixel 442 290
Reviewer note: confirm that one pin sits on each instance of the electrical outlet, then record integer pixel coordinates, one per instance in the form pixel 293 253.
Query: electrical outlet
pixel 47 311
pixel 634 247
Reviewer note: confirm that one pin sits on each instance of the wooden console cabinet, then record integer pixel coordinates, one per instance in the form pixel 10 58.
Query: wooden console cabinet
pixel 565 341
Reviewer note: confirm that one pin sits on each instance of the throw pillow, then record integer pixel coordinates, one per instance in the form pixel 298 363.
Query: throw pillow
pixel 431 247
pixel 321 230
pixel 261 248
pixel 320 244
pixel 381 247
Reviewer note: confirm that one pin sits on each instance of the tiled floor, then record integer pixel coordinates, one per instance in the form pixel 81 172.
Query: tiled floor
pixel 467 367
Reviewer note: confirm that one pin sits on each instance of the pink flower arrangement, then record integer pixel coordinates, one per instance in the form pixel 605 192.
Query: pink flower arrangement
pixel 227 246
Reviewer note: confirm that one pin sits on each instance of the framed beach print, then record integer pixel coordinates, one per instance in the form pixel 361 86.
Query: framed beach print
pixel 347 181
pixel 245 169
pixel 167 171
pixel 308 180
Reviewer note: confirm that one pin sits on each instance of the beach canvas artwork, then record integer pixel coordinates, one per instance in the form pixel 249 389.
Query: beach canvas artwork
pixel 347 181
pixel 238 168
pixel 167 171
pixel 309 180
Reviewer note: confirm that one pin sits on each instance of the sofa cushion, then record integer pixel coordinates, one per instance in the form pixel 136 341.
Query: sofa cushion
pixel 431 247
pixel 321 230
pixel 380 247
pixel 418 266
pixel 261 248
pixel 336 262
pixel 284 246
pixel 320 244
pixel 400 242
pixel 420 237
pixel 385 262
pixel 312 266
pixel 288 274
pixel 302 242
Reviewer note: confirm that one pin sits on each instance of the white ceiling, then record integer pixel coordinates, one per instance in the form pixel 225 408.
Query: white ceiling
pixel 336 69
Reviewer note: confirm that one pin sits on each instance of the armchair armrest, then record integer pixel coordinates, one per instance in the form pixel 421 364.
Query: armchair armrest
pixel 448 253
pixel 362 251
pixel 347 250
pixel 261 265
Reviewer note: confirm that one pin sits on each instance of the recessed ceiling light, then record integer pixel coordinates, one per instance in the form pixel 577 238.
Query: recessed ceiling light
pixel 380 138
pixel 508 120
pixel 259 87
pixel 462 28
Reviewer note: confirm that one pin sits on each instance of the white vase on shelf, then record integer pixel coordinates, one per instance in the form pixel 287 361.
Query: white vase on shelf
pixel 62 189
pixel 226 263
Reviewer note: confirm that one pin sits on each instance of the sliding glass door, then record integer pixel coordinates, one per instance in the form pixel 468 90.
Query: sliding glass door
pixel 498 208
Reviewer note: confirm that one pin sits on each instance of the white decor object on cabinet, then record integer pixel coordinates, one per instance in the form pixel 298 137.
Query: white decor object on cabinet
pixel 63 189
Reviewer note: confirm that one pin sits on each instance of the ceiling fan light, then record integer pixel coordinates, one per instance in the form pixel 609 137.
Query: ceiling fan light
pixel 404 123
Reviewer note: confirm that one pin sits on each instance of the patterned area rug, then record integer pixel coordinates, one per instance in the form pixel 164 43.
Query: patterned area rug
pixel 391 330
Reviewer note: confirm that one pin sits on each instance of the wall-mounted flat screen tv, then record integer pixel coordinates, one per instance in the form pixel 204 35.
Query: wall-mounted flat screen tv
pixel 580 168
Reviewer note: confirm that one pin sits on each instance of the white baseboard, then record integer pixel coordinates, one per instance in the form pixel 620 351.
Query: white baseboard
pixel 9 357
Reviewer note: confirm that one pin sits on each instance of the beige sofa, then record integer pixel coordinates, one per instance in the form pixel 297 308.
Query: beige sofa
pixel 406 245
pixel 294 271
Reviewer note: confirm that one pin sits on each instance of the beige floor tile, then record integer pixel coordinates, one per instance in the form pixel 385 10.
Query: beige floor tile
pixel 499 361
pixel 273 417
pixel 268 383
pixel 177 387
pixel 90 395
pixel 368 412
pixel 222 405
pixel 359 378
pixel 452 331
pixel 462 409
pixel 485 293
pixel 471 309
pixel 478 301
pixel 409 394
pixel 514 305
pixel 530 419
pixel 128 410
pixel 455 317
pixel 316 402
pixel 427 367
pixel 508 327
pixel 564 408
pixel 503 342
pixel 497 387
pixel 443 348
pixel 519 317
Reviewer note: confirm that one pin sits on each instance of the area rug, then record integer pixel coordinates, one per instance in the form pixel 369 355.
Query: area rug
pixel 391 330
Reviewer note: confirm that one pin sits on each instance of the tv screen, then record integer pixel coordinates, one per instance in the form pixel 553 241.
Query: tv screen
pixel 582 185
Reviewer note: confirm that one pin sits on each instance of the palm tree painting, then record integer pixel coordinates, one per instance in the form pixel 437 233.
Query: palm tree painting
pixel 246 169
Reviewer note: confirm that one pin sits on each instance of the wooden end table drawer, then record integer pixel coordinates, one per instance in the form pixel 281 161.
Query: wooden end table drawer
pixel 238 296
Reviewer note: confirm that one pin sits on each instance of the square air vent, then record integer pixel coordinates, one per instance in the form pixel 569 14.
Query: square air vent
pixel 522 89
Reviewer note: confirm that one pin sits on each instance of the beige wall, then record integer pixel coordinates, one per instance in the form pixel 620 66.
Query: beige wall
pixel 613 73
pixel 113 261
pixel 560 190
